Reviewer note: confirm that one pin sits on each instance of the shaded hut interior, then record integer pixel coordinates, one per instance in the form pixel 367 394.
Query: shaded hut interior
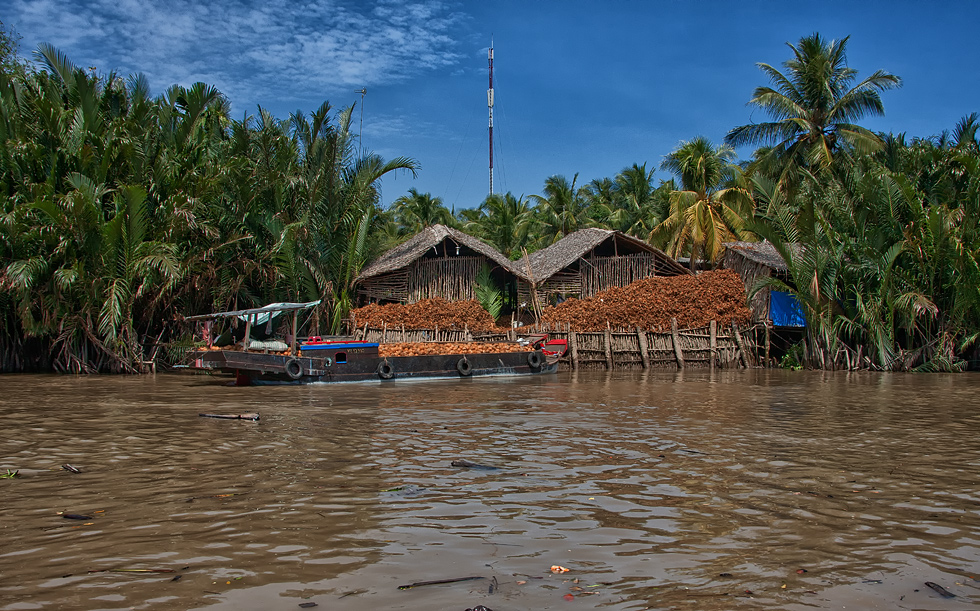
pixel 755 261
pixel 437 262
pixel 589 261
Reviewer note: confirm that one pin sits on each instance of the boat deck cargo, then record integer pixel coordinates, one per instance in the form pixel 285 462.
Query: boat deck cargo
pixel 342 359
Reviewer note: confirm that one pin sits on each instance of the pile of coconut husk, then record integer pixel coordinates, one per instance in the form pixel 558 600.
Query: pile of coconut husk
pixel 651 304
pixel 425 314
pixel 427 348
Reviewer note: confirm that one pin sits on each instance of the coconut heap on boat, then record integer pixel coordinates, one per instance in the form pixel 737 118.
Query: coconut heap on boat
pixel 425 314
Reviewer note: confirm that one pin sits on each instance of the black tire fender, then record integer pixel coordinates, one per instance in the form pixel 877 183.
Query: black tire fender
pixel 293 369
pixel 534 359
pixel 463 367
pixel 386 371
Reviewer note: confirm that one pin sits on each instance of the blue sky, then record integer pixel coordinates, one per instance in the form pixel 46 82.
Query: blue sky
pixel 581 87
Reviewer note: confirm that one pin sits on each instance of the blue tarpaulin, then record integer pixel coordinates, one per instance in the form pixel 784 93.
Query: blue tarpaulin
pixel 785 310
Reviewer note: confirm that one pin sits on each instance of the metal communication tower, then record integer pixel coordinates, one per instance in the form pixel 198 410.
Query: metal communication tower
pixel 490 106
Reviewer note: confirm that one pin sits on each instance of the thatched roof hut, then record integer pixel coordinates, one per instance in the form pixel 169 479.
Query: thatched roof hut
pixel 754 261
pixel 439 261
pixel 591 260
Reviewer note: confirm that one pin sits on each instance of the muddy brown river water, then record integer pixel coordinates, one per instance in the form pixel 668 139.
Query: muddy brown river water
pixel 731 490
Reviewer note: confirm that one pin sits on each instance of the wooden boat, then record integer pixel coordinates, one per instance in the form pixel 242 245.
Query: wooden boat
pixel 345 359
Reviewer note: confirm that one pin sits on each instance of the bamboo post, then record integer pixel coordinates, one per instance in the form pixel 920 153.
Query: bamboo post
pixel 675 340
pixel 534 288
pixel 767 345
pixel 403 334
pixel 364 335
pixel 573 342
pixel 437 333
pixel 713 332
pixel 641 337
pixel 741 346
pixel 608 343
pixel 384 333
pixel 248 331
pixel 292 349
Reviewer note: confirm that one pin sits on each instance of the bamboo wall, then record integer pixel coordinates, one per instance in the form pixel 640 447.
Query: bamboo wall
pixel 751 272
pixel 451 278
pixel 594 274
pixel 709 346
pixel 562 283
pixel 387 287
pixel 601 273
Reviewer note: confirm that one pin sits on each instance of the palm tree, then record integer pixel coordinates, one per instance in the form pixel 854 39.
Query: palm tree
pixel 636 206
pixel 561 210
pixel 505 222
pixel 416 211
pixel 814 106
pixel 710 208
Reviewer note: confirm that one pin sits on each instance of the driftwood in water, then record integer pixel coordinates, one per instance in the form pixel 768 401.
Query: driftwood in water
pixel 231 416
pixel 940 590
pixel 462 462
pixel 437 582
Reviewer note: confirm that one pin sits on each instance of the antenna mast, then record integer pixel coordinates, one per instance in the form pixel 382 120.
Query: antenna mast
pixel 490 106
pixel 360 131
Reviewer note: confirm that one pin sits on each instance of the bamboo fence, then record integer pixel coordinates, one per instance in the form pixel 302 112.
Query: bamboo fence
pixel 709 346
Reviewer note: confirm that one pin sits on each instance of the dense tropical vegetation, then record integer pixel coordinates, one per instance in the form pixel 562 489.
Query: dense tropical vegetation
pixel 121 211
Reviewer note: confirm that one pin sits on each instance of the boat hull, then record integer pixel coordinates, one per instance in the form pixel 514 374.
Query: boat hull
pixel 251 367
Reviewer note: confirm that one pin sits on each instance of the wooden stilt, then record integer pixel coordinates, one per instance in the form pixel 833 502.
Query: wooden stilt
pixel 713 333
pixel 573 343
pixel 767 345
pixel 741 346
pixel 675 337
pixel 641 337
pixel 608 343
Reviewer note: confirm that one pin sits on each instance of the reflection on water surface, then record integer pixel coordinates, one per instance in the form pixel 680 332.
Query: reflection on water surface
pixel 732 490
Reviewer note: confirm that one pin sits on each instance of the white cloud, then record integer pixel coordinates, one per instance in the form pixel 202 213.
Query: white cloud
pixel 251 51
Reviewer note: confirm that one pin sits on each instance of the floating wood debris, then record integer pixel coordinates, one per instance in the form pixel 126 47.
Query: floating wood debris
pixel 231 416
pixel 471 465
pixel 437 582
pixel 940 590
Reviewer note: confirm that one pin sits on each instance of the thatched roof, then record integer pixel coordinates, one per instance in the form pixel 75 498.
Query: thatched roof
pixel 551 260
pixel 763 253
pixel 415 248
